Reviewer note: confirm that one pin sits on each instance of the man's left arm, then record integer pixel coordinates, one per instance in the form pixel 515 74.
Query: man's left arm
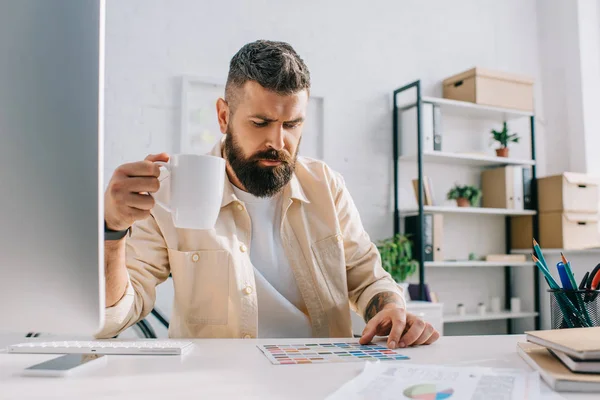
pixel 371 290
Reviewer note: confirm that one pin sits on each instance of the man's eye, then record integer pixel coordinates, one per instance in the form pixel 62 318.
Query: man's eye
pixel 292 126
pixel 260 124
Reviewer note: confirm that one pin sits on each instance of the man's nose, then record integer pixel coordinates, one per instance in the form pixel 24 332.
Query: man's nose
pixel 276 139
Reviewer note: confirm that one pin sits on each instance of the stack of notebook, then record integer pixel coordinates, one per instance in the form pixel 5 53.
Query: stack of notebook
pixel 567 359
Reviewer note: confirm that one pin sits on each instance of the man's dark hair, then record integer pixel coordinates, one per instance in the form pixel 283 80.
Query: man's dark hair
pixel 274 65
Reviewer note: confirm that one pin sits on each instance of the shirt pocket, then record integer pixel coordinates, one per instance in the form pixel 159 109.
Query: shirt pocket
pixel 329 253
pixel 201 284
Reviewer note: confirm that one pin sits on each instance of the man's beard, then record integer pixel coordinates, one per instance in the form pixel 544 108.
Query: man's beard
pixel 259 180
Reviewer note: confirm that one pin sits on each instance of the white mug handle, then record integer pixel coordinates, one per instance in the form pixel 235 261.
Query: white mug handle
pixel 166 166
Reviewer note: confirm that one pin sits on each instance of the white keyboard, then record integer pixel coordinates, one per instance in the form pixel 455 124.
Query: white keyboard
pixel 124 347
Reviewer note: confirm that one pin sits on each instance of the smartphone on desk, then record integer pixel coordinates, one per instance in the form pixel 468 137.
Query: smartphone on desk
pixel 66 365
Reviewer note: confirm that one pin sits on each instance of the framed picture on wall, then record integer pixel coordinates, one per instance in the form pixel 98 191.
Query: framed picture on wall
pixel 199 126
pixel 200 129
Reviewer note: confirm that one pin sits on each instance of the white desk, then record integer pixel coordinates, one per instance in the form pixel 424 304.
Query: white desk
pixel 234 368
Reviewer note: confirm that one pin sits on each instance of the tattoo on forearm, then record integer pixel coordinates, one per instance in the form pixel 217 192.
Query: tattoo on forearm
pixel 379 301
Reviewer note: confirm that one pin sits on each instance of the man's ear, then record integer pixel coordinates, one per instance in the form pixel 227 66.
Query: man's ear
pixel 223 115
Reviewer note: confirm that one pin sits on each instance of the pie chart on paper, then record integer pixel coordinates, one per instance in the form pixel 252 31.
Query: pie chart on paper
pixel 428 391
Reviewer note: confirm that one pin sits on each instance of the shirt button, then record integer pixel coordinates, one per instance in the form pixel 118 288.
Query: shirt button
pixel 338 238
pixel 246 336
pixel 248 290
pixel 240 207
pixel 195 257
pixel 243 248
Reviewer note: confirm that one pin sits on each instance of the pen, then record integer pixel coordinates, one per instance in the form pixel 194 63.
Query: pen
pixel 592 283
pixel 564 277
pixel 584 281
pixel 575 297
pixel 567 308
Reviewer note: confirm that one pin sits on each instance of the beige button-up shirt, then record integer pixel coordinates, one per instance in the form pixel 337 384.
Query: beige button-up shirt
pixel 333 260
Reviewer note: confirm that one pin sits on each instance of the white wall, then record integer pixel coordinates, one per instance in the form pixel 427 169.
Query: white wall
pixel 569 51
pixel 357 55
pixel 589 40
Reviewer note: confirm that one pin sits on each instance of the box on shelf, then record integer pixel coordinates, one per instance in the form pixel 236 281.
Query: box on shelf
pixel 491 88
pixel 569 231
pixel 503 187
pixel 568 192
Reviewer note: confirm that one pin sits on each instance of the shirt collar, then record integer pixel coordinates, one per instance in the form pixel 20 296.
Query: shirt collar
pixel 292 190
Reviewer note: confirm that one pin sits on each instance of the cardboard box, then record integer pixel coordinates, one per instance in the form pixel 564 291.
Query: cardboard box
pixel 491 88
pixel 502 187
pixel 569 192
pixel 569 231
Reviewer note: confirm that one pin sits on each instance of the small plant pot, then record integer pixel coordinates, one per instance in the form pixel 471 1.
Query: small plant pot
pixel 502 152
pixel 462 202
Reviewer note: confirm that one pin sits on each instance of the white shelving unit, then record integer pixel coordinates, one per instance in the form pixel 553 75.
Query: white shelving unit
pixel 455 318
pixel 479 264
pixel 474 160
pixel 484 114
pixel 558 251
pixel 476 111
pixel 469 210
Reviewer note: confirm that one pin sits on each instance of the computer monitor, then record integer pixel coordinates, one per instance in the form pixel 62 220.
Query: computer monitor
pixel 51 116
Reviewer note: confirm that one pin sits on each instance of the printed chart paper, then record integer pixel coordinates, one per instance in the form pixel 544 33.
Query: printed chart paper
pixel 430 382
pixel 312 353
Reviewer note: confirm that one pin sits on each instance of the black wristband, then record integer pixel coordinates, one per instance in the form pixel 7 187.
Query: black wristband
pixel 109 234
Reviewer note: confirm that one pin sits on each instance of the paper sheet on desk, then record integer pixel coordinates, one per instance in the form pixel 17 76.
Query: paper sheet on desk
pixel 430 382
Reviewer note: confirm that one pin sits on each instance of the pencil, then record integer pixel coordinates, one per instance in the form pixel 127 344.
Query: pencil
pixel 578 299
pixel 569 310
pixel 538 250
pixel 564 259
pixel 569 271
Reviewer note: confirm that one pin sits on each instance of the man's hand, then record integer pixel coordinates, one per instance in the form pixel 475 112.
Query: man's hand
pixel 403 329
pixel 124 201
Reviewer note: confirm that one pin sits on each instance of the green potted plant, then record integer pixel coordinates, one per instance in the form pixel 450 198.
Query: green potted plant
pixel 503 137
pixel 465 196
pixel 397 260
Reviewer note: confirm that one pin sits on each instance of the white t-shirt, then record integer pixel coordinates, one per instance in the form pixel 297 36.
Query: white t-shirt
pixel 281 309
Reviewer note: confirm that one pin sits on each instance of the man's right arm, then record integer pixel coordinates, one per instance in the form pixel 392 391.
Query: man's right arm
pixel 126 201
pixel 115 270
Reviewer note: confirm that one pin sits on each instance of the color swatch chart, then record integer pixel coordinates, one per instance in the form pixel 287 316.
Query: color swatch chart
pixel 312 353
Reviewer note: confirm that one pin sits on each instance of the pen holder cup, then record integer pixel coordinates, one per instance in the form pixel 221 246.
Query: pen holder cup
pixel 574 308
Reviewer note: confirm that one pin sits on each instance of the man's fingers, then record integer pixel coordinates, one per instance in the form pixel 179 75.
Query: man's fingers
pixel 416 327
pixel 141 184
pixel 370 330
pixel 140 201
pixel 435 336
pixel 158 157
pixel 398 325
pixel 135 214
pixel 140 168
pixel 427 332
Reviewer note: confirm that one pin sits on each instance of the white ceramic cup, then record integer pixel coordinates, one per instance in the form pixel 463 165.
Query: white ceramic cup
pixel 196 190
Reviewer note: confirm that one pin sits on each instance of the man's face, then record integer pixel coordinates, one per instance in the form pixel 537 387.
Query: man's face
pixel 263 135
